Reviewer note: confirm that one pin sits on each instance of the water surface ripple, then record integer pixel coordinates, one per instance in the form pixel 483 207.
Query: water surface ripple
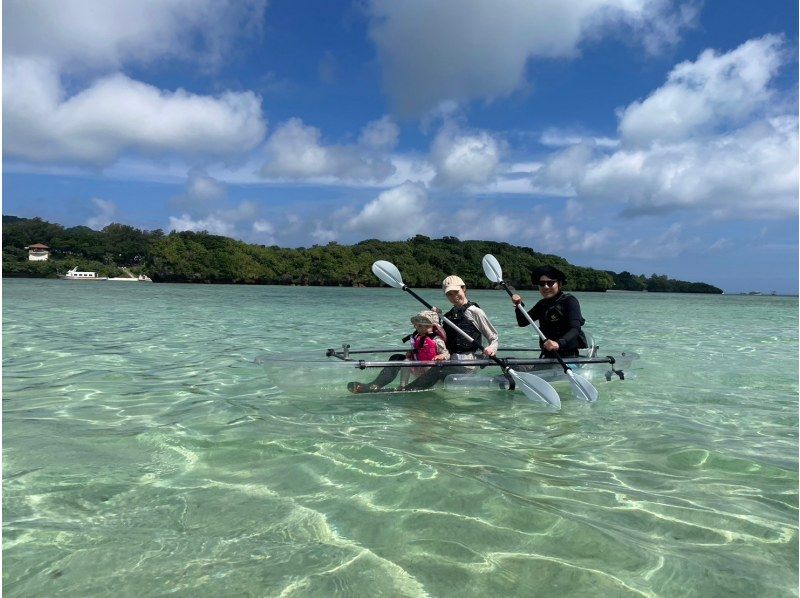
pixel 146 454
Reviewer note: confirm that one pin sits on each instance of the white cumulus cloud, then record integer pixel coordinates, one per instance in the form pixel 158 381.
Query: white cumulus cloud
pixel 201 195
pixel 67 102
pixel 380 134
pixel 204 188
pixel 554 137
pixel 460 50
pixel 203 210
pixel 105 216
pixel 396 214
pixel 90 35
pixel 295 151
pixel 117 114
pixel 212 224
pixel 263 232
pixel 224 222
pixel 709 138
pixel 698 97
pixel 263 226
pixel 670 243
pixel 464 158
pixel 481 224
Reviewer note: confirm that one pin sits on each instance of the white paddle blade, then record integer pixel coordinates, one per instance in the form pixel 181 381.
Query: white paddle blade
pixel 536 388
pixel 492 269
pixel 582 389
pixel 388 273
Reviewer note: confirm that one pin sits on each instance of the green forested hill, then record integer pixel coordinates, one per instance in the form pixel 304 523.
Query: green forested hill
pixel 206 258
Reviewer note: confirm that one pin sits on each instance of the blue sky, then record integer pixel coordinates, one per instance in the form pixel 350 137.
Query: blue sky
pixel 640 135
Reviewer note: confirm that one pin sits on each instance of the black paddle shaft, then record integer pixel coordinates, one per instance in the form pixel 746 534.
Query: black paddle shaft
pixel 554 353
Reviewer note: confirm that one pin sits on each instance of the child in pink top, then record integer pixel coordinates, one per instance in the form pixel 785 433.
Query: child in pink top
pixel 427 344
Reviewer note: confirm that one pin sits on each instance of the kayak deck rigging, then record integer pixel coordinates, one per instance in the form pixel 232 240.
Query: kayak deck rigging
pixel 345 354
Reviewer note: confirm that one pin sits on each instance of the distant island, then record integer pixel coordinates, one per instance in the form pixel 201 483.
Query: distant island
pixel 200 257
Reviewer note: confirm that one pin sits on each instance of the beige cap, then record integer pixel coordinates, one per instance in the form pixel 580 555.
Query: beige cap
pixel 426 318
pixel 452 283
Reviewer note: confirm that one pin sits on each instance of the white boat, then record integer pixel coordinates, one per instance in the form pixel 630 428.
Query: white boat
pixel 140 278
pixel 74 274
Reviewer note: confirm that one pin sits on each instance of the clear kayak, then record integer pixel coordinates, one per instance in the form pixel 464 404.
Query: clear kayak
pixel 332 369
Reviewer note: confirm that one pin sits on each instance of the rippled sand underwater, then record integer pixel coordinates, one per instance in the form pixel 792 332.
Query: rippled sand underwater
pixel 145 453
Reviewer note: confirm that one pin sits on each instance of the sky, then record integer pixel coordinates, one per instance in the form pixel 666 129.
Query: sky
pixel 645 136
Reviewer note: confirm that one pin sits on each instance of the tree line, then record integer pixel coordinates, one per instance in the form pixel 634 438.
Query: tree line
pixel 205 258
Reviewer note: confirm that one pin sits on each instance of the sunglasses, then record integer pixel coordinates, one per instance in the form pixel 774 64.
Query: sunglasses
pixel 547 283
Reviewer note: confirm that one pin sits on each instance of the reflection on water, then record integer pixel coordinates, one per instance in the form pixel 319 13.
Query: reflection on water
pixel 143 448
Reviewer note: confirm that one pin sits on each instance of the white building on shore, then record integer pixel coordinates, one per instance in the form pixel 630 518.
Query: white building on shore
pixel 38 252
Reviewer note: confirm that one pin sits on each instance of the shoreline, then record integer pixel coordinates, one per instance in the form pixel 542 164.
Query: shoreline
pixel 342 286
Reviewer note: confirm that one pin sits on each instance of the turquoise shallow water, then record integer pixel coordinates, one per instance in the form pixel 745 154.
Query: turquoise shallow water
pixel 144 453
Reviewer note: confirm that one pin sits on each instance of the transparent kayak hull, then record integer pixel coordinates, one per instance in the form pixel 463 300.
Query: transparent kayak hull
pixel 596 373
pixel 333 369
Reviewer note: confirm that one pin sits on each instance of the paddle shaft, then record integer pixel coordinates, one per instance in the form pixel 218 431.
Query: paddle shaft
pixel 521 308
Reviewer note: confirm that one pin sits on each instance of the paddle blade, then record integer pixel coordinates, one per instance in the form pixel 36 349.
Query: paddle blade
pixel 492 269
pixel 582 389
pixel 535 388
pixel 388 273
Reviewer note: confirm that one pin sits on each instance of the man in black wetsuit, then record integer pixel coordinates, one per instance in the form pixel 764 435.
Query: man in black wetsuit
pixel 558 313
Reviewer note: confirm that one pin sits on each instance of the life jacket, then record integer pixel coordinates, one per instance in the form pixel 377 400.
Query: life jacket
pixel 424 347
pixel 457 343
pixel 554 320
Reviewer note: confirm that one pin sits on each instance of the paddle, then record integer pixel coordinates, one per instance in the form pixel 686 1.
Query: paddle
pixel 533 386
pixel 581 387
